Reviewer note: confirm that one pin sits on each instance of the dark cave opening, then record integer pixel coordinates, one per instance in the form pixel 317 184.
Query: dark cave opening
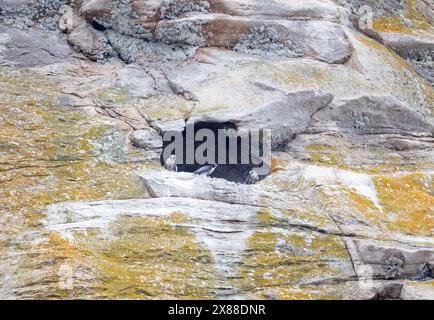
pixel 97 26
pixel 237 172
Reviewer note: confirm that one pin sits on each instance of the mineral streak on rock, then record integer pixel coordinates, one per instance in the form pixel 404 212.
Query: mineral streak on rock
pixel 89 88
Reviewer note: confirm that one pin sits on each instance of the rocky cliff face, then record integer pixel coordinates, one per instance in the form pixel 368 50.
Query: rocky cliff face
pixel 90 86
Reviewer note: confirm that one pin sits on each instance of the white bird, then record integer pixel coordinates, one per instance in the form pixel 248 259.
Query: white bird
pixel 170 164
pixel 207 170
pixel 252 178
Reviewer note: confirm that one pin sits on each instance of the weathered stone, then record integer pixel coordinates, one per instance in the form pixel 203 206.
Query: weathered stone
pixel 90 42
pixel 417 291
pixel 147 139
pixel 390 291
pixel 394 261
pixel 96 9
pixel 311 9
pixel 171 9
pixel 344 210
pixel 188 185
pixel 373 115
pixel 419 51
pixel 220 227
pixel 286 116
pixel 229 32
pixel 136 82
pixel 31 49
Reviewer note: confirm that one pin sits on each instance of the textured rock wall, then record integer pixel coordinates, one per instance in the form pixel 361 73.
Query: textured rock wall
pixel 89 87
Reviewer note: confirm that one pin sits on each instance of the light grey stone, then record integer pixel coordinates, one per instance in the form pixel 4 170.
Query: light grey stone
pixel 147 139
pixel 287 116
pixel 373 115
pixel 136 82
pixel 32 48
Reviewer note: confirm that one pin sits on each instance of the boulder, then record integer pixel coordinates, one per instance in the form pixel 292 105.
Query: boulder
pixel 32 48
pixel 96 9
pixel 90 42
pixel 147 139
pixel 417 49
pixel 308 10
pixel 373 115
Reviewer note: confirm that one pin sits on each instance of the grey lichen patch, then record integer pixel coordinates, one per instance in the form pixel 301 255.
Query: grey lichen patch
pixel 134 50
pixel 92 43
pixel 24 14
pixel 126 21
pixel 265 41
pixel 394 267
pixel 185 32
pixel 172 9
pixel 380 7
pixel 426 272
pixel 423 62
pixel 360 119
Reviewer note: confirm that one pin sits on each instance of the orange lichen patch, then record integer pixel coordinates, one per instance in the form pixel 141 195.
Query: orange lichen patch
pixel 429 283
pixel 283 260
pixel 51 154
pixel 277 165
pixel 178 217
pixel 289 77
pixel 264 216
pixel 147 258
pixel 409 200
pixel 304 293
pixel 417 91
pixel 363 206
pixel 307 214
pixel 166 107
pixel 55 264
pixel 57 247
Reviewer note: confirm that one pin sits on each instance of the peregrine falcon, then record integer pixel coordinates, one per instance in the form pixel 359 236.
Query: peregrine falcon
pixel 252 178
pixel 170 164
pixel 207 170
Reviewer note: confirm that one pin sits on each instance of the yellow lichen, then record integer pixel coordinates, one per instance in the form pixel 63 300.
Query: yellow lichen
pixel 149 257
pixel 413 12
pixel 409 200
pixel 284 259
pixel 323 154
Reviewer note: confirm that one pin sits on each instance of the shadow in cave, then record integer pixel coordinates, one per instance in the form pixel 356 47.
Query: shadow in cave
pixel 234 172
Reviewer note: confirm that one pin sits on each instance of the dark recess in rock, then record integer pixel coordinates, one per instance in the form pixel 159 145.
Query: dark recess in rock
pixel 97 26
pixel 231 172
